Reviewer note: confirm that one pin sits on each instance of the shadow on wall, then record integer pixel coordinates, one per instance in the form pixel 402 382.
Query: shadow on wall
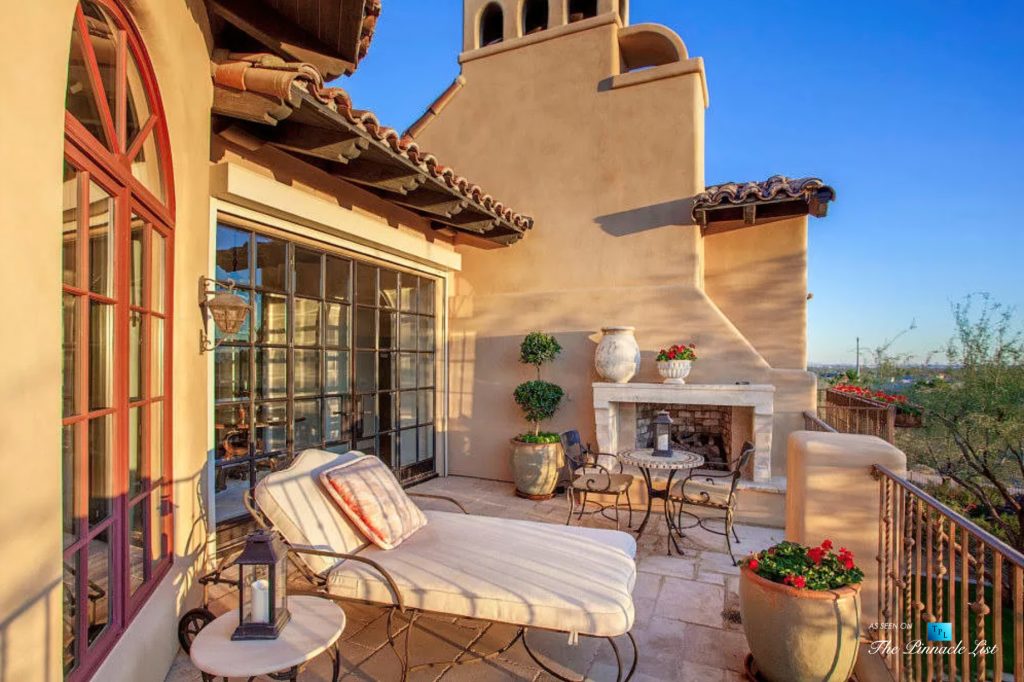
pixel 483 414
pixel 624 223
pixel 33 616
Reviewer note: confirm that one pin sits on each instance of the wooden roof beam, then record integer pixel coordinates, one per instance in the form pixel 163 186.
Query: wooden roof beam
pixel 392 179
pixel 281 35
pixel 249 106
pixel 336 145
pixel 445 207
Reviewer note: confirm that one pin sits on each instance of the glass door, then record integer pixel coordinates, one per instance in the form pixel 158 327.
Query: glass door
pixel 338 353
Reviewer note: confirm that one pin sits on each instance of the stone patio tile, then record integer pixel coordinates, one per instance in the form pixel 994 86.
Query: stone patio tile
pixel 712 646
pixel 676 566
pixel 647 586
pixel 643 609
pixel 718 563
pixel 691 601
pixel 679 604
pixel 553 648
pixel 756 538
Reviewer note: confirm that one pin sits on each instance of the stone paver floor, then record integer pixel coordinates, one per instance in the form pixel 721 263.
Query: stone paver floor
pixel 687 625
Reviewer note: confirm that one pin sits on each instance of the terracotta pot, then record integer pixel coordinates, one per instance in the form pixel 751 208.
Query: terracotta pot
pixel 618 356
pixel 536 468
pixel 800 635
pixel 674 371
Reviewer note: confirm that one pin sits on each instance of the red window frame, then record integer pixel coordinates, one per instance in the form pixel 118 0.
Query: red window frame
pixel 111 169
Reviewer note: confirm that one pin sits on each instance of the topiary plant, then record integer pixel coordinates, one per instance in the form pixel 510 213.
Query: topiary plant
pixel 538 399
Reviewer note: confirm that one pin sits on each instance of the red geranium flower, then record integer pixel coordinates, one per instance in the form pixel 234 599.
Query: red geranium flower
pixel 816 554
pixel 826 545
pixel 753 564
pixel 797 581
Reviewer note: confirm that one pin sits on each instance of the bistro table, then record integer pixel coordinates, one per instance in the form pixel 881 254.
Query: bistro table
pixel 314 627
pixel 645 460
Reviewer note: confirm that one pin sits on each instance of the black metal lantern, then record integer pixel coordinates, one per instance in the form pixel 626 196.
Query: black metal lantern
pixel 663 435
pixel 262 587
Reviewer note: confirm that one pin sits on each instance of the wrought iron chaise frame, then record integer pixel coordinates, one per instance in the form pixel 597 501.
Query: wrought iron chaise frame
pixel 704 500
pixel 318 587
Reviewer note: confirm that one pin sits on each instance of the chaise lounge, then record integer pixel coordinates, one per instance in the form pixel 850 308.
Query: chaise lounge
pixel 534 576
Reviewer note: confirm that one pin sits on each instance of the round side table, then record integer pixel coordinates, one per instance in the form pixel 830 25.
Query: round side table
pixel 646 462
pixel 314 627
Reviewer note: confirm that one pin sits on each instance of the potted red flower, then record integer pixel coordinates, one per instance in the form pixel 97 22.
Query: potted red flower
pixel 801 612
pixel 675 362
pixel 908 415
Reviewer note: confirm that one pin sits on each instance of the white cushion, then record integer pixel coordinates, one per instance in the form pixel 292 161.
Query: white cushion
pixel 299 507
pixel 569 579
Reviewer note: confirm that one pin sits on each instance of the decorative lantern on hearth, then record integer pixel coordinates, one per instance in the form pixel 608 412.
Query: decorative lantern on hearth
pixel 262 587
pixel 663 435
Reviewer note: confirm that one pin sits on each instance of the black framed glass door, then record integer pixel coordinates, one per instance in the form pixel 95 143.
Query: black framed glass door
pixel 338 353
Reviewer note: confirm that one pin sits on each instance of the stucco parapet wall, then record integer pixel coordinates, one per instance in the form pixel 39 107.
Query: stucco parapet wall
pixel 540 37
pixel 241 186
pixel 694 65
pixel 832 493
pixel 681 64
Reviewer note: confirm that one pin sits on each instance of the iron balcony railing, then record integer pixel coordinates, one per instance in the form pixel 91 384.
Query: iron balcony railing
pixel 812 422
pixel 936 566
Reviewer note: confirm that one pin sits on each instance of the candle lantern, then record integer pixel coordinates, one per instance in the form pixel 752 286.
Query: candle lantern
pixel 262 587
pixel 663 435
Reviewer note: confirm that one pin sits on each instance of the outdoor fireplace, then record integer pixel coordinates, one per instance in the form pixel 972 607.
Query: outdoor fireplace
pixel 712 420
pixel 702 429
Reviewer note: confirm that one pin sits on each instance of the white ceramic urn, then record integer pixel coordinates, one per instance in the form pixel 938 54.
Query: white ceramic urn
pixel 618 356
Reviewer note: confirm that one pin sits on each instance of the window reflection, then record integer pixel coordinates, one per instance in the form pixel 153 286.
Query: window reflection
pixel 308 389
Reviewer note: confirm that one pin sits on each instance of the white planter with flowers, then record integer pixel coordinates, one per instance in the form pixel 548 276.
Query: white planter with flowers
pixel 674 363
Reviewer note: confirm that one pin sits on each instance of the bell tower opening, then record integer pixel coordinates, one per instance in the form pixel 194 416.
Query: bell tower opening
pixel 582 9
pixel 535 16
pixel 492 25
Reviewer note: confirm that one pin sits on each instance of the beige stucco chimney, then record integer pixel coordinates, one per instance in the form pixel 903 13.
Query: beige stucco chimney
pixel 596 129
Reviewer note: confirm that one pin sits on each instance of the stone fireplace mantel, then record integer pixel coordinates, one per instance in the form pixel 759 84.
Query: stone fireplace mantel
pixel 615 412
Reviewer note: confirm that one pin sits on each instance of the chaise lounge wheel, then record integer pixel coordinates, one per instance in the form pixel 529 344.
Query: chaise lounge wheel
pixel 190 624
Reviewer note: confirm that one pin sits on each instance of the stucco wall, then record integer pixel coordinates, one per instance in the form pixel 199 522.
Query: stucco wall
pixel 34 40
pixel 608 173
pixel 833 495
pixel 758 277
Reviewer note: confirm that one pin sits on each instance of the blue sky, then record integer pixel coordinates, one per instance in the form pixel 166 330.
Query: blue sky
pixel 913 111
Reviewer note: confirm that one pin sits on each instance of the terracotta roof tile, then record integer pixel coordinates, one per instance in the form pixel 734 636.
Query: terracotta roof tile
pixel 272 76
pixel 774 188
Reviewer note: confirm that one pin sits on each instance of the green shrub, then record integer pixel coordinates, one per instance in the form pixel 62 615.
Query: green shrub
pixel 538 399
pixel 538 348
pixel 542 437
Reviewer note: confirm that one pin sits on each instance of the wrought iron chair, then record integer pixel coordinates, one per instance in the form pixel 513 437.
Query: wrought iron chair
pixel 585 474
pixel 721 497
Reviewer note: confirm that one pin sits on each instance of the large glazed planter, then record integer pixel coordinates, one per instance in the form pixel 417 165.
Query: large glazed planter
pixel 536 467
pixel 674 371
pixel 618 356
pixel 800 635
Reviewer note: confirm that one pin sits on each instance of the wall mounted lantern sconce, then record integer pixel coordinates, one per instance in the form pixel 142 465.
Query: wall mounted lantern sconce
pixel 227 309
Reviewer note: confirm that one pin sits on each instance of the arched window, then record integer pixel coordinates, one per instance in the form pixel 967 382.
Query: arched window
pixel 582 9
pixel 492 25
pixel 535 16
pixel 117 250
